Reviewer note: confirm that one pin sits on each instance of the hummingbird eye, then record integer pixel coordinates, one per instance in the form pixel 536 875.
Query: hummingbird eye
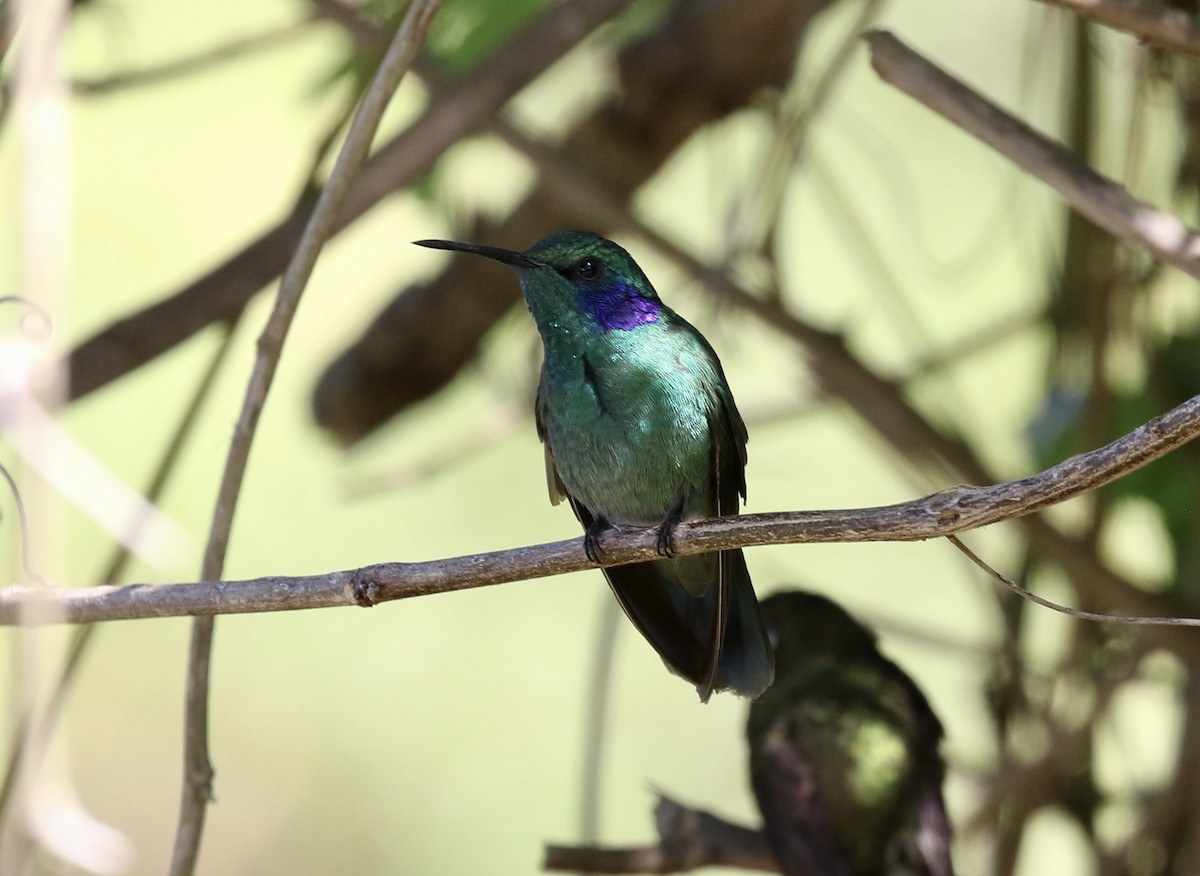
pixel 587 269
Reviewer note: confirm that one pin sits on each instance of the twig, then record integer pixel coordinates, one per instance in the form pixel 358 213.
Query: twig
pixel 596 720
pixel 668 856
pixel 196 63
pixel 951 511
pixel 459 110
pixel 363 32
pixel 765 195
pixel 1162 26
pixel 321 225
pixel 430 331
pixel 1046 603
pixel 42 196
pixel 1102 200
pixel 23 534
pixel 443 458
pixel 121 556
pixel 35 331
pixel 688 840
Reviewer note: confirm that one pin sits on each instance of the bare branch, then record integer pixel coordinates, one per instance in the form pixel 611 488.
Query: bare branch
pixel 704 62
pixel 238 48
pixel 951 511
pixel 1077 613
pixel 83 635
pixel 459 110
pixel 1102 200
pixel 23 534
pixel 688 840
pixel 321 225
pixel 1162 26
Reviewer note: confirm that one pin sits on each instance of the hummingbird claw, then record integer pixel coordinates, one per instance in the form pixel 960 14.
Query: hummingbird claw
pixel 665 544
pixel 591 539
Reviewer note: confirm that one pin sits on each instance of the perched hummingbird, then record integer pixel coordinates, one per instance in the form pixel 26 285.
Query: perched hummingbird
pixel 844 751
pixel 640 429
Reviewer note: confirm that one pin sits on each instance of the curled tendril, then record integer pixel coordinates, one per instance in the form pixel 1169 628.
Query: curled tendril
pixel 23 522
pixel 35 322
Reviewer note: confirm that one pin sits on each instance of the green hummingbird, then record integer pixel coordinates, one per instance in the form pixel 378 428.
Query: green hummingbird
pixel 844 755
pixel 640 429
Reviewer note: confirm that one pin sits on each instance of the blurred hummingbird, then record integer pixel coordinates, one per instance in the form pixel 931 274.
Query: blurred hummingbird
pixel 640 429
pixel 844 755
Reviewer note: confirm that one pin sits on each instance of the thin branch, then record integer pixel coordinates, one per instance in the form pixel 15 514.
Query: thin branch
pixel 1054 606
pixel 321 225
pixel 199 62
pixel 444 457
pixel 688 840
pixel 430 331
pixel 951 511
pixel 23 534
pixel 880 402
pixel 460 110
pixel 83 635
pixel 762 205
pixel 1162 26
pixel 1102 200
pixel 595 723
pixel 668 856
pixel 42 195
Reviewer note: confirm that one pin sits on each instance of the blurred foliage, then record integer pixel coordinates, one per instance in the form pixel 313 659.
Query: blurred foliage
pixel 468 30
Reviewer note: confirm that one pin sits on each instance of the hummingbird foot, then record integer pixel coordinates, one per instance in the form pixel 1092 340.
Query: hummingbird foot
pixel 664 545
pixel 591 539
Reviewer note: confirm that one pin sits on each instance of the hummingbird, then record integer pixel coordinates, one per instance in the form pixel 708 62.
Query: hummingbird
pixel 844 755
pixel 640 429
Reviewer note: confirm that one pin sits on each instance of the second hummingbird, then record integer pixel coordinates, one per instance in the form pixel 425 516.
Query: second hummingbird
pixel 640 429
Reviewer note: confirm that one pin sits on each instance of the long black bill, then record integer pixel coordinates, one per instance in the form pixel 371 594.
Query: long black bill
pixel 508 256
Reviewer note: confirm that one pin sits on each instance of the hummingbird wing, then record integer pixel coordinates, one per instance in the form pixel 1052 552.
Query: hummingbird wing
pixel 794 816
pixel 554 485
pixel 660 609
pixel 714 639
pixel 923 847
pixel 928 853
pixel 745 661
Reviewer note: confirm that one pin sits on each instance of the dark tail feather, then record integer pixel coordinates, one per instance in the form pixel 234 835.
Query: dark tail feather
pixel 683 629
pixel 747 662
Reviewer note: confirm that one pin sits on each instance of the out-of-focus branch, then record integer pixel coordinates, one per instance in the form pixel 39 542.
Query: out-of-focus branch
pixel 83 635
pixel 879 401
pixel 275 35
pixel 460 109
pixel 705 61
pixel 197 770
pixel 688 840
pixel 1102 200
pixel 363 32
pixel 950 511
pixel 1162 26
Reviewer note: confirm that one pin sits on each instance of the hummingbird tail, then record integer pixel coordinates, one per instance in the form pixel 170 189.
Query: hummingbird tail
pixel 715 640
pixel 747 662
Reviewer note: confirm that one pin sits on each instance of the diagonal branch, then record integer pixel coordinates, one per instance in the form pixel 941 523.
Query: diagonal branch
pixel 271 37
pixel 1102 200
pixel 1158 24
pixel 197 768
pixel 880 402
pixel 702 63
pixel 951 511
pixel 689 839
pixel 458 111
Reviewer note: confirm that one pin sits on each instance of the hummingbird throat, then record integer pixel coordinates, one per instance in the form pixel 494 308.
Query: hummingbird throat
pixel 620 308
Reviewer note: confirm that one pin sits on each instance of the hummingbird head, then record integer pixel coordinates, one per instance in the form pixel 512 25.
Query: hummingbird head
pixel 576 278
pixel 806 627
